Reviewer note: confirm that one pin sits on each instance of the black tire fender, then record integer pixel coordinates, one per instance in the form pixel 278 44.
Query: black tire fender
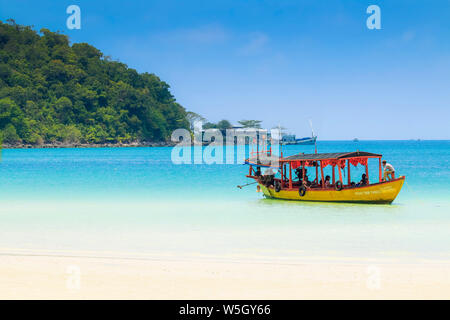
pixel 338 186
pixel 277 186
pixel 302 191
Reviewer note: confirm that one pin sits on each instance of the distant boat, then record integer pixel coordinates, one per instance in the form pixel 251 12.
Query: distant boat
pixel 355 140
pixel 290 139
pixel 306 140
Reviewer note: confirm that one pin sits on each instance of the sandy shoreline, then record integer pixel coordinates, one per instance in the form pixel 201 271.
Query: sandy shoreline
pixel 33 276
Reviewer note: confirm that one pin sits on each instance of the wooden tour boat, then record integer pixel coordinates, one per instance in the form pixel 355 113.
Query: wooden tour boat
pixel 290 179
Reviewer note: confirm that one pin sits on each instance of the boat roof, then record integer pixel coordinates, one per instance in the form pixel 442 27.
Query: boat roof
pixel 329 156
pixel 264 161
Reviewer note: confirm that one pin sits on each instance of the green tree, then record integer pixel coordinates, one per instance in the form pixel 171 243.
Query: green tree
pixel 64 109
pixel 250 123
pixel 192 118
pixel 51 91
pixel 209 125
pixel 71 134
pixel 9 135
pixel 224 124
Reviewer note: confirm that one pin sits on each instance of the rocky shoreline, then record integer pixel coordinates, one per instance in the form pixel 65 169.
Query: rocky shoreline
pixel 87 145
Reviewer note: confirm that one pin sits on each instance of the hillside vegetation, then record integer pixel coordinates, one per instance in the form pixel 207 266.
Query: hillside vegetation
pixel 52 91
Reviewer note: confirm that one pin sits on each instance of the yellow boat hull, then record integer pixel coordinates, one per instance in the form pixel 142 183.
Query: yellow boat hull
pixel 383 192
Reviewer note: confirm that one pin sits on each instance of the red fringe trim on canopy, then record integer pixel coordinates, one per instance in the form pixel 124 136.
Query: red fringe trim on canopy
pixel 341 162
pixel 361 161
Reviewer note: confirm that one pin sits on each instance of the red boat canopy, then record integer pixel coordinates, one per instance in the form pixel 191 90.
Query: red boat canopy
pixel 317 160
pixel 310 160
pixel 330 156
pixel 334 159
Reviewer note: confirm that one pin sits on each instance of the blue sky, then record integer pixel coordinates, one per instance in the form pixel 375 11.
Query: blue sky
pixel 282 62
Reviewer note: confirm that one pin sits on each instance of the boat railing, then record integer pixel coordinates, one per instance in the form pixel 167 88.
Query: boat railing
pixel 267 152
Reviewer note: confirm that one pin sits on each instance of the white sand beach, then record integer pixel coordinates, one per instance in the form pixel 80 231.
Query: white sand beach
pixel 25 275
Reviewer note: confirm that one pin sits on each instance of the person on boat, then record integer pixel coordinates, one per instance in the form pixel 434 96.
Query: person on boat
pixel 316 184
pixel 363 181
pixel 269 172
pixel 268 177
pixel 306 181
pixel 327 182
pixel 258 172
pixel 389 171
pixel 299 173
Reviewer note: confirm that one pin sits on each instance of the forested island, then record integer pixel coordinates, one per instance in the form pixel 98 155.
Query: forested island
pixel 55 93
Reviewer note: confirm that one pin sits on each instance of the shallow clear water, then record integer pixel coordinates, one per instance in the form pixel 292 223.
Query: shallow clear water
pixel 135 200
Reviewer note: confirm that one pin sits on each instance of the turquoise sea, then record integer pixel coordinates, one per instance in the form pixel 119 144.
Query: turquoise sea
pixel 136 201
